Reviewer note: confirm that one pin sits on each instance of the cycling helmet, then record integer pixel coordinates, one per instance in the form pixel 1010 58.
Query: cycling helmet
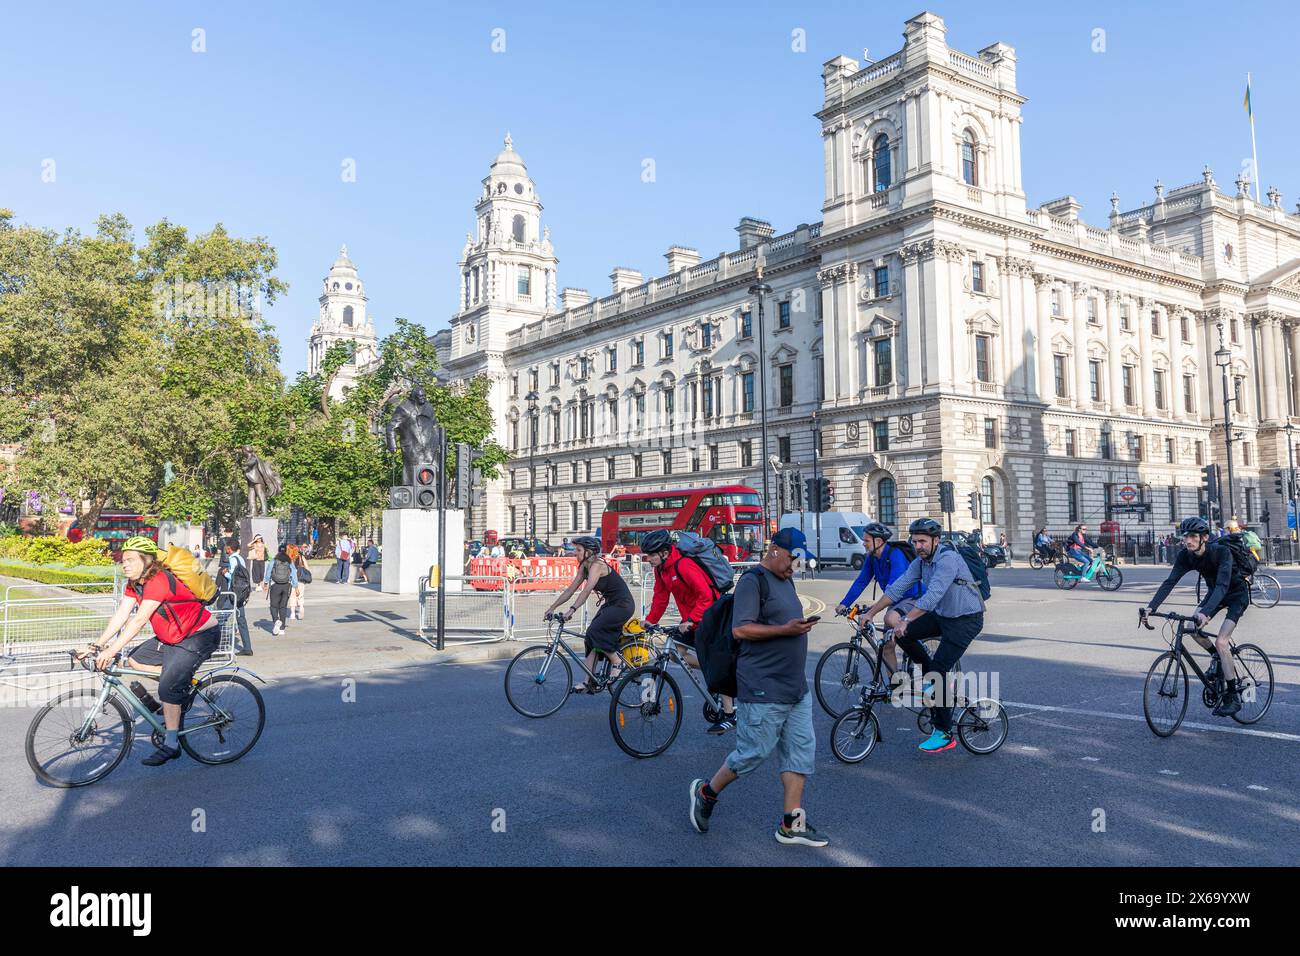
pixel 877 530
pixel 1194 525
pixel 655 541
pixel 587 543
pixel 925 526
pixel 142 544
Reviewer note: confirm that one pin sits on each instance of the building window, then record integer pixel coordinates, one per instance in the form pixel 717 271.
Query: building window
pixel 1139 448
pixel 1250 504
pixel 706 335
pixel 977 276
pixel 1185 328
pixel 783 315
pixel 668 345
pixel 588 524
pixel 555 375
pixel 1155 323
pixel 1092 311
pixel 639 406
pixel 1200 453
pixel 982 370
pixel 1123 317
pixel 517 228
pixel 783 448
pixel 1237 388
pixel 1071 443
pixel 884 350
pixel 514 385
pixel 1232 327
pixel 746 454
pixel 880 162
pixel 588 470
pixel 668 462
pixel 1160 389
pixel 1056 303
pixel 1170 449
pixel 1189 393
pixel 746 324
pixel 713 457
pixel 746 391
pixel 990 433
pixel 638 352
pixel 636 466
pixel 1094 380
pixel 514 526
pixel 969 168
pixel 525 282
pixel 821 379
pixel 1127 378
pixel 552 521
pixel 613 358
pixel 880 432
pixel 787 385
pixel 1072 500
pixel 695 459
pixel 887 501
pixel 987 515
pixel 1058 371
pixel 514 480
pixel 1104 445
pixel 610 472
pixel 1173 501
pixel 882 281
pixel 1245 453
pixel 670 404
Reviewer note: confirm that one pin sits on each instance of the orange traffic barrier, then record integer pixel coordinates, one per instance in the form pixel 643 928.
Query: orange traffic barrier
pixel 524 574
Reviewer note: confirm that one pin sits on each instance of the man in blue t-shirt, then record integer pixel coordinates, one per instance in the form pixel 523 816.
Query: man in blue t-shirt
pixel 885 563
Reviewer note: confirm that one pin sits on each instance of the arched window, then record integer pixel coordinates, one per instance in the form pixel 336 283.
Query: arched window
pixel 347 315
pixel 987 513
pixel 887 500
pixel 881 162
pixel 969 168
pixel 517 228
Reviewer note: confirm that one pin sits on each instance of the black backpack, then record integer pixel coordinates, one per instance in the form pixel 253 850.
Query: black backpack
pixel 281 573
pixel 1244 563
pixel 239 584
pixel 979 571
pixel 716 649
pixel 909 552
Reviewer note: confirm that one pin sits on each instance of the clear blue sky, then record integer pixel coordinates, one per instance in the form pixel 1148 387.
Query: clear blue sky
pixel 253 132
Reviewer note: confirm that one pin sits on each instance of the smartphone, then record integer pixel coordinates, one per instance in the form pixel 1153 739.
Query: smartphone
pixel 814 619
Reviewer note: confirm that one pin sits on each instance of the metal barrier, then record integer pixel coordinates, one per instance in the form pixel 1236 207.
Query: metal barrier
pixel 478 610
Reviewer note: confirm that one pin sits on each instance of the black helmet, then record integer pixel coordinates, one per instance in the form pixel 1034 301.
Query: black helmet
pixel 587 543
pixel 877 530
pixel 925 526
pixel 1194 525
pixel 656 541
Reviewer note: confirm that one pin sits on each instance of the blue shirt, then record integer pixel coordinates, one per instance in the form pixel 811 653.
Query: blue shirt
pixel 884 570
pixel 949 592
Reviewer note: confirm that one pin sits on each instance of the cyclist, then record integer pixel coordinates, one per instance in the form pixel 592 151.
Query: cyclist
pixel 1043 544
pixel 950 608
pixel 691 587
pixel 885 563
pixel 616 608
pixel 1224 590
pixel 1077 546
pixel 185 635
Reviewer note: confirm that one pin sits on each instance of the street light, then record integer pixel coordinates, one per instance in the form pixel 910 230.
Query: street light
pixel 761 288
pixel 1290 488
pixel 817 441
pixel 548 501
pixel 532 398
pixel 1223 358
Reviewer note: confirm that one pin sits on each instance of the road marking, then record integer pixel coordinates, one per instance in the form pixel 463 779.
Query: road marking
pixel 1024 747
pixel 1093 759
pixel 1170 773
pixel 1275 735
pixel 1255 786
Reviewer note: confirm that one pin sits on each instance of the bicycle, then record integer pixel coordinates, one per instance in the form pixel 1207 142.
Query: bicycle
pixel 98 733
pixel 838 685
pixel 1100 568
pixel 1038 562
pixel 982 724
pixel 1161 694
pixel 1265 590
pixel 647 700
pixel 531 682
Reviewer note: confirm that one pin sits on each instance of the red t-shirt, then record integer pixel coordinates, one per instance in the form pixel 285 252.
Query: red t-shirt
pixel 685 581
pixel 181 613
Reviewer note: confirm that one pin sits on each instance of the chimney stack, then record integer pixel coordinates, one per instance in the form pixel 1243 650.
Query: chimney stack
pixel 680 257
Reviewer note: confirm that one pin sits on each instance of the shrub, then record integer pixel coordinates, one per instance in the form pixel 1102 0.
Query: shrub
pixel 55 550
pixel 56 576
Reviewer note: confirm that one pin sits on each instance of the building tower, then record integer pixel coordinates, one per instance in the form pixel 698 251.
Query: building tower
pixel 342 318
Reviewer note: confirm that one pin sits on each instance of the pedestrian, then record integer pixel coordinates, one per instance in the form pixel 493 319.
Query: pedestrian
pixel 1006 546
pixel 370 559
pixel 343 554
pixel 358 562
pixel 236 587
pixel 281 578
pixel 773 705
pixel 298 600
pixel 257 558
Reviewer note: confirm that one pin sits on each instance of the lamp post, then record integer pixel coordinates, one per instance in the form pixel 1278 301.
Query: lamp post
pixel 759 289
pixel 548 501
pixel 1223 358
pixel 1290 488
pixel 532 398
pixel 817 441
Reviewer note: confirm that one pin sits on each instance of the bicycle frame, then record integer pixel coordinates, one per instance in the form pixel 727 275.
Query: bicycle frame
pixel 555 642
pixel 1185 628
pixel 669 654
pixel 881 690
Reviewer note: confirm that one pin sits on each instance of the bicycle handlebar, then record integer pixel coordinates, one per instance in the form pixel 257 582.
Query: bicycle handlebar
pixel 1143 614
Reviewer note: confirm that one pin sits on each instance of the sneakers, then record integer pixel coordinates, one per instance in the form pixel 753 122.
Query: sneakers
pixel 145 697
pixel 161 756
pixel 277 629
pixel 701 806
pixel 806 835
pixel 936 742
pixel 728 722
pixel 1229 703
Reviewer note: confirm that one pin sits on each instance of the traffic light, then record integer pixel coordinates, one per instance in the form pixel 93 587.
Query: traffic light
pixel 975 504
pixel 796 492
pixel 947 503
pixel 1210 481
pixel 426 486
pixel 811 490
pixel 469 488
pixel 1279 485
pixel 827 494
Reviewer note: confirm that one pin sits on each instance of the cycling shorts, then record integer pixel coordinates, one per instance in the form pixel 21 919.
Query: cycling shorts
pixel 178 662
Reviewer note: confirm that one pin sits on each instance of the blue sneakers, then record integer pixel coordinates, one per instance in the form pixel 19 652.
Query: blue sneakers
pixel 937 742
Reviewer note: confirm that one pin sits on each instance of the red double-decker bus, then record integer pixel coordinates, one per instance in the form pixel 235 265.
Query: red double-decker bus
pixel 730 515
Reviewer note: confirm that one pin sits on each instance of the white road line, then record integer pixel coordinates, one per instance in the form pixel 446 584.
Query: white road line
pixel 1093 759
pixel 1255 786
pixel 1275 735
pixel 1170 773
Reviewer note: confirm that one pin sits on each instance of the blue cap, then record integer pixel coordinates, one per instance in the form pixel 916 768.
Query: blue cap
pixel 794 541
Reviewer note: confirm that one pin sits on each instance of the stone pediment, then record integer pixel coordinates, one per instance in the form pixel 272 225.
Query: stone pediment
pixel 983 322
pixel 879 326
pixel 1062 343
pixel 784 354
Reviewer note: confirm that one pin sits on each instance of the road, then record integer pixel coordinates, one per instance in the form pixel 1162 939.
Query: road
pixel 429 765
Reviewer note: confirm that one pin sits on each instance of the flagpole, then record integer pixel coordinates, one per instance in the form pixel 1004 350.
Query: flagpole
pixel 1254 154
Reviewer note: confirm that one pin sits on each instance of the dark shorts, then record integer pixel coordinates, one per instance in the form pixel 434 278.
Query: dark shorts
pixel 1235 602
pixel 178 661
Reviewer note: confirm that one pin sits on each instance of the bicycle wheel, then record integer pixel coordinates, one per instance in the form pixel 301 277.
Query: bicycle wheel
pixel 1063 580
pixel 842 671
pixel 55 753
pixel 646 712
pixel 1036 561
pixel 854 735
pixel 1254 683
pixel 226 719
pixel 1109 577
pixel 1164 694
pixel 533 687
pixel 983 726
pixel 1265 591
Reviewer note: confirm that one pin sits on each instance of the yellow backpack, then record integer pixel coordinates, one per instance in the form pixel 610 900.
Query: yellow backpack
pixel 189 571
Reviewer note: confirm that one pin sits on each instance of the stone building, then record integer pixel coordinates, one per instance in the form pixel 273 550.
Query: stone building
pixel 343 318
pixel 931 323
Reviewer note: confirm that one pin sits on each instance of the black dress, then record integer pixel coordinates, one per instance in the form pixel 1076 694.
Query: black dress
pixel 606 629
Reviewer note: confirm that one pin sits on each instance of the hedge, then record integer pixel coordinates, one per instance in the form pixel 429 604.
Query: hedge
pixel 55 576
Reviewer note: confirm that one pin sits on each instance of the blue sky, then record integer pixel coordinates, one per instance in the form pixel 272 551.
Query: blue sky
pixel 253 132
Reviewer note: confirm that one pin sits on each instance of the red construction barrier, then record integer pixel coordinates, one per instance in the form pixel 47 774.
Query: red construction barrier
pixel 524 574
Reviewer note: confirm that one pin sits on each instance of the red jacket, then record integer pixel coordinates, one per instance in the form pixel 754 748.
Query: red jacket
pixel 688 583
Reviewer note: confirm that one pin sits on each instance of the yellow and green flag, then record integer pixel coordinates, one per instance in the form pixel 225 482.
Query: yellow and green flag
pixel 1246 102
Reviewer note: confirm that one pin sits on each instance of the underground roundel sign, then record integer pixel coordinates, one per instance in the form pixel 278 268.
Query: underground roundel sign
pixel 1128 494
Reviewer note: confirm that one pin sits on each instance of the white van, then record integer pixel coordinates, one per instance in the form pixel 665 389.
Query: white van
pixel 841 535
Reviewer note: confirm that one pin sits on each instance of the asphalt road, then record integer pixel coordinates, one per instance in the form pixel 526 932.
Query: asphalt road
pixel 430 765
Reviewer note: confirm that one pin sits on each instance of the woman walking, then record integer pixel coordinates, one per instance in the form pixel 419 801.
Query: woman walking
pixel 257 557
pixel 297 600
pixel 280 580
pixel 616 608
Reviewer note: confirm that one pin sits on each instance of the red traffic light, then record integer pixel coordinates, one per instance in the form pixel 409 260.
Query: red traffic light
pixel 424 476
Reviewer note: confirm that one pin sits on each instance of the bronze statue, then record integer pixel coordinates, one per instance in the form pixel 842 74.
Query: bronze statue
pixel 263 482
pixel 415 423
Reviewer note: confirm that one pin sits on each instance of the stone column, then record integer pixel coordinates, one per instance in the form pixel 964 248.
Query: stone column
pixel 1279 357
pixel 1029 341
pixel 1295 369
pixel 1114 344
pixel 910 364
pixel 1267 348
pixel 1146 384
pixel 1043 336
pixel 1078 321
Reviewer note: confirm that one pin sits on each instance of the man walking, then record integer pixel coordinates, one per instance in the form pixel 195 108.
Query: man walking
pixel 237 581
pixel 773 705
pixel 343 555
